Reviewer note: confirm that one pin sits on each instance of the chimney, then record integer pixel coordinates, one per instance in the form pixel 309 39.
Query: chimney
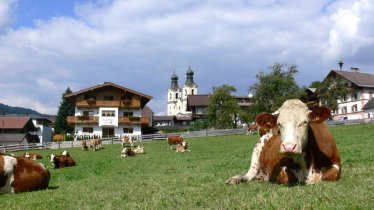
pixel 354 69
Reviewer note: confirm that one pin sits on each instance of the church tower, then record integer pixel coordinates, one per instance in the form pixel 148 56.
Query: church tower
pixel 189 88
pixel 174 97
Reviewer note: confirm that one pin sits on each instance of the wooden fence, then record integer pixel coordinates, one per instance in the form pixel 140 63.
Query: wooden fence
pixel 117 140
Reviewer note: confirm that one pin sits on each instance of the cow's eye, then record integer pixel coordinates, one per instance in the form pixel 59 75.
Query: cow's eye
pixel 303 123
pixel 279 125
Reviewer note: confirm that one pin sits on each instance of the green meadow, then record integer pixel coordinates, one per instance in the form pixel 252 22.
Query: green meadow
pixel 164 179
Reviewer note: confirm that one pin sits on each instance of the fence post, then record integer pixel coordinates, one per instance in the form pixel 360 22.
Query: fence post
pixel 59 144
pixel 72 145
pixel 112 140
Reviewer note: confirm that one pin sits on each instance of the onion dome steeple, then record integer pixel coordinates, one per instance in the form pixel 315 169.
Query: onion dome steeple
pixel 189 81
pixel 174 82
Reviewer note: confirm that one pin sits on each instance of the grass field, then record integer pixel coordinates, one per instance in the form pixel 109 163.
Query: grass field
pixel 164 179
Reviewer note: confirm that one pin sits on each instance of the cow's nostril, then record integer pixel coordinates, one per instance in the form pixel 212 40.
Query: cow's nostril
pixel 289 147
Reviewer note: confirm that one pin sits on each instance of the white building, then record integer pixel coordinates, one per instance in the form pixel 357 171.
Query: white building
pixel 43 128
pixel 107 110
pixel 361 91
pixel 177 97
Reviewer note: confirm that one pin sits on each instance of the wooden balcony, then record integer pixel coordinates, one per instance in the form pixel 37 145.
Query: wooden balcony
pixel 102 103
pixel 133 120
pixel 82 119
pixel 95 120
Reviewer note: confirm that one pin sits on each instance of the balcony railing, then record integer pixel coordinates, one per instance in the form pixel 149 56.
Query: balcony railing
pixel 103 103
pixel 82 119
pixel 95 120
pixel 133 120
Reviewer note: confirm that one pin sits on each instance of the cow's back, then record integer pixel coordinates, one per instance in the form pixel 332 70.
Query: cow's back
pixel 22 174
pixel 175 140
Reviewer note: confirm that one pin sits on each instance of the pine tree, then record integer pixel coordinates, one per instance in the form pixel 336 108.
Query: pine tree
pixel 65 109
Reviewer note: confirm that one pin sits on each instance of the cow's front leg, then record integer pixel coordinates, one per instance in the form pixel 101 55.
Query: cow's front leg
pixel 286 177
pixel 332 173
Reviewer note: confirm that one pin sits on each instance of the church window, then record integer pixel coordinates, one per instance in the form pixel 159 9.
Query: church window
pixel 192 91
pixel 176 95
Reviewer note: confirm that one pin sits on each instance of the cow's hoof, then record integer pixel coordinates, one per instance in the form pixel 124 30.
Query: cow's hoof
pixel 233 180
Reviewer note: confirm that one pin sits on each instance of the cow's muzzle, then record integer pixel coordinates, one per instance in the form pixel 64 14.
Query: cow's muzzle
pixel 290 148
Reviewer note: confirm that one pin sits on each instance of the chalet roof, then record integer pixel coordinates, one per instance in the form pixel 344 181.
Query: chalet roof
pixel 11 138
pixel 358 78
pixel 32 116
pixel 16 123
pixel 369 105
pixel 145 98
pixel 163 118
pixel 184 118
pixel 198 100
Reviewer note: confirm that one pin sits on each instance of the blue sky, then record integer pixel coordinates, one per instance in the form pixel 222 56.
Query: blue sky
pixel 27 11
pixel 48 45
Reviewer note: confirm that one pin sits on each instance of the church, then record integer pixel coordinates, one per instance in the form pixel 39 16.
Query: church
pixel 177 97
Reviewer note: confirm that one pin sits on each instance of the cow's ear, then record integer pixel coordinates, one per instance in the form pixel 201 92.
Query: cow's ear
pixel 319 114
pixel 266 120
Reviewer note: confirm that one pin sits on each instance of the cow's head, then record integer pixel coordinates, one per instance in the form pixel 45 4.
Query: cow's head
pixel 51 158
pixel 291 123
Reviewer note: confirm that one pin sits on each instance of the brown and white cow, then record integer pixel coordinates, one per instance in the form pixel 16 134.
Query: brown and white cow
pixel 300 148
pixel 84 145
pixel 182 147
pixel 127 152
pixel 61 161
pixel 94 144
pixel 127 140
pixel 33 156
pixel 19 174
pixel 174 140
pixel 139 150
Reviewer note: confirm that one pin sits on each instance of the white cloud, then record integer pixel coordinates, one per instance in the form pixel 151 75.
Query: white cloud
pixel 5 12
pixel 138 43
pixel 352 29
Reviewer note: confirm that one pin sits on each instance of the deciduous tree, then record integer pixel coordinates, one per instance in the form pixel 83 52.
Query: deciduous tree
pixel 223 110
pixel 273 88
pixel 332 89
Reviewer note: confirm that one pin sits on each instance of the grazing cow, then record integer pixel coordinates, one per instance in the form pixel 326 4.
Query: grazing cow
pixel 84 145
pixel 174 140
pixel 127 152
pixel 61 161
pixel 182 147
pixel 58 137
pixel 300 149
pixel 33 156
pixel 127 140
pixel 19 174
pixel 95 144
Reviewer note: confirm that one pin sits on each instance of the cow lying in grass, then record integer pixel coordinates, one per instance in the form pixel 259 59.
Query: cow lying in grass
pixel 33 156
pixel 61 161
pixel 130 152
pixel 182 147
pixel 19 174
pixel 300 148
